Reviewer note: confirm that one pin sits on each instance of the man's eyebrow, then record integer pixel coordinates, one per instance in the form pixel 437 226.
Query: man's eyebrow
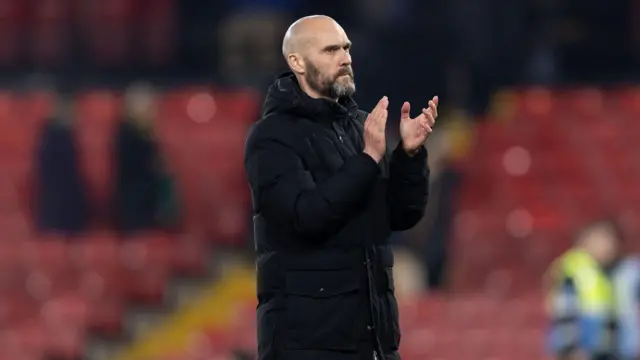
pixel 346 45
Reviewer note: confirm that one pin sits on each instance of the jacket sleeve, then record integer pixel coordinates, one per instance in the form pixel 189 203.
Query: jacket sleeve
pixel 408 188
pixel 285 192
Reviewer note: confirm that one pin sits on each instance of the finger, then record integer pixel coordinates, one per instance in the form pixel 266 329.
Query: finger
pixel 374 112
pixel 424 123
pixel 434 109
pixel 382 104
pixel 383 119
pixel 382 114
pixel 436 100
pixel 405 111
pixel 377 108
pixel 379 124
pixel 428 115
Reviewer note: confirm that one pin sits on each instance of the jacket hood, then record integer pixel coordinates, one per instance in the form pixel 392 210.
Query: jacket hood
pixel 286 96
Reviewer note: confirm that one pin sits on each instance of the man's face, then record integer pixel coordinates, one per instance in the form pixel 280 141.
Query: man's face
pixel 328 64
pixel 602 244
pixel 141 105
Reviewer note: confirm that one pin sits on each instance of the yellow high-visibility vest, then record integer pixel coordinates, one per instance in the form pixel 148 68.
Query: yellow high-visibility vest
pixel 593 287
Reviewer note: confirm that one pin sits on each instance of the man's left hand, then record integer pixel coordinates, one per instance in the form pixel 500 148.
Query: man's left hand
pixel 414 132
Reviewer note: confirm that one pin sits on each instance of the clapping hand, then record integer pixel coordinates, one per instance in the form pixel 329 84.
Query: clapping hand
pixel 414 132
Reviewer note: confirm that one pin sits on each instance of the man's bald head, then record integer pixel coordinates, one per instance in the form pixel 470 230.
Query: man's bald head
pixel 300 33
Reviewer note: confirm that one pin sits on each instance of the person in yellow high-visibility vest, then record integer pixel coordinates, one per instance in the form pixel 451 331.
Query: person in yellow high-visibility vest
pixel 588 288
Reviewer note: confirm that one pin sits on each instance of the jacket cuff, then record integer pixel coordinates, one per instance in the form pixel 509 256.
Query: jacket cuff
pixel 362 165
pixel 401 156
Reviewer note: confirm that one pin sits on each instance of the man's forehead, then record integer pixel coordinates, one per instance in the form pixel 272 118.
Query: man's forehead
pixel 328 37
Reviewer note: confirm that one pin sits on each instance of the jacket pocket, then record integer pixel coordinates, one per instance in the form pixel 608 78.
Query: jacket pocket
pixel 390 334
pixel 321 307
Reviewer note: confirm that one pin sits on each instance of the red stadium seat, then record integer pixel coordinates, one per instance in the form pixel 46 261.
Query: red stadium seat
pixel 191 256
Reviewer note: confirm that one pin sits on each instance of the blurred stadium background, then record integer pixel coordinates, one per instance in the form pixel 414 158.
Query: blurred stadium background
pixel 540 133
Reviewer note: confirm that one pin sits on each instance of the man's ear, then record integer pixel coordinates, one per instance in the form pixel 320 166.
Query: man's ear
pixel 296 63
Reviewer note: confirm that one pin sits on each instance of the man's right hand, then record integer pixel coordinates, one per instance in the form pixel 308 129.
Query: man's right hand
pixel 375 142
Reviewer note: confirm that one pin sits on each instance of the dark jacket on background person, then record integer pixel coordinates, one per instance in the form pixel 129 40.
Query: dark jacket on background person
pixel 143 191
pixel 323 214
pixel 435 249
pixel 61 195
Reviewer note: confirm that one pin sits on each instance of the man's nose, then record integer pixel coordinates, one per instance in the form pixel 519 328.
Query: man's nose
pixel 346 59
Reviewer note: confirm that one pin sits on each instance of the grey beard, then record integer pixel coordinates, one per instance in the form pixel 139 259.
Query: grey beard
pixel 342 90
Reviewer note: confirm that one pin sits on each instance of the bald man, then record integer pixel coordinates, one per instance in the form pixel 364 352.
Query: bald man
pixel 326 197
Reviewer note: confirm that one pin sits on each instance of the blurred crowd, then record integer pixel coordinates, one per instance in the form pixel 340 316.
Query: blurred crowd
pixel 142 197
pixel 467 49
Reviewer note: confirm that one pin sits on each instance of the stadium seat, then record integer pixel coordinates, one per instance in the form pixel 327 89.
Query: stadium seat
pixel 190 255
pixel 147 266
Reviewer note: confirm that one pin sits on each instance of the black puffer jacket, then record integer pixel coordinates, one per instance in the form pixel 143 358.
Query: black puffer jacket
pixel 323 213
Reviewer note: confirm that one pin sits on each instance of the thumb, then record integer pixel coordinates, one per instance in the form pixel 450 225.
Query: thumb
pixel 405 111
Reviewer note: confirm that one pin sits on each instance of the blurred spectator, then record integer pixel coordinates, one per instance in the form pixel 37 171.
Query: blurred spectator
pixel 595 27
pixel 61 198
pixel 437 222
pixel 542 63
pixel 408 273
pixel 635 31
pixel 246 58
pixel 379 15
pixel 440 214
pixel 144 196
pixel 484 47
pixel 595 296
